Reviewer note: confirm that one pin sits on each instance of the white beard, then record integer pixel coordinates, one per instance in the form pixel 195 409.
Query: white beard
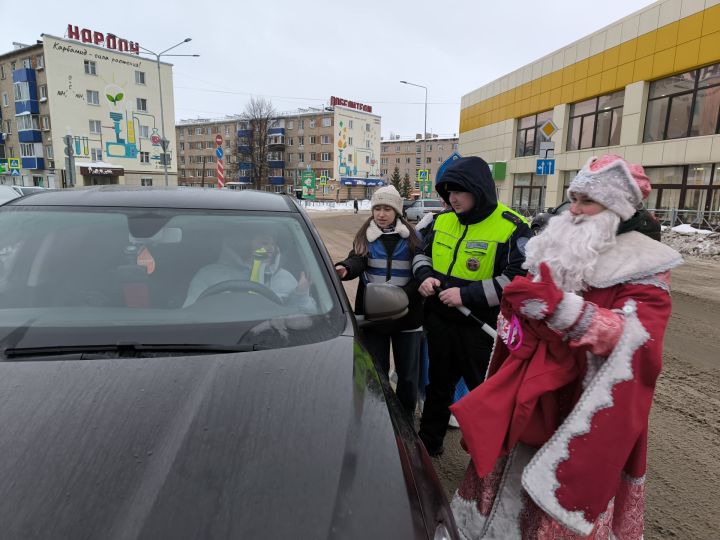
pixel 571 246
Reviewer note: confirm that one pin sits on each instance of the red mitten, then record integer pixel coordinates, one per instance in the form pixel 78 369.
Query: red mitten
pixel 533 299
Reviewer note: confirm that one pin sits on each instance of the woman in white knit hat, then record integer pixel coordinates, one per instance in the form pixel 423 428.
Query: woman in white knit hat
pixel 382 252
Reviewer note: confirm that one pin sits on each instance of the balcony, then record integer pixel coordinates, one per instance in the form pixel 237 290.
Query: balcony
pixel 29 136
pixel 244 149
pixel 33 163
pixel 276 131
pixel 276 163
pixel 276 180
pixel 247 133
pixel 245 166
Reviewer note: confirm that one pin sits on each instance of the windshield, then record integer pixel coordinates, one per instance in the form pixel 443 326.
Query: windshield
pixel 99 276
pixel 433 204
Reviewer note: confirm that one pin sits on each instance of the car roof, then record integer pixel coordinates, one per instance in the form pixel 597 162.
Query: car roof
pixel 152 197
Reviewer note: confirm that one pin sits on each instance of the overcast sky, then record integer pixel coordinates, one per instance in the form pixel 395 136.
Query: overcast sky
pixel 299 54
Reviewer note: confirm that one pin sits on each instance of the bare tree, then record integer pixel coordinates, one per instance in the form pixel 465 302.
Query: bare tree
pixel 259 116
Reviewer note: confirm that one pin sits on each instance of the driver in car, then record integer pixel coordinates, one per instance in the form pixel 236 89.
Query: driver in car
pixel 257 261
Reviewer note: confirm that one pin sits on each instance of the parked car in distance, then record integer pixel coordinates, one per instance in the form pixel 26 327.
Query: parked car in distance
pixel 648 225
pixel 420 207
pixel 8 193
pixel 159 381
pixel 406 204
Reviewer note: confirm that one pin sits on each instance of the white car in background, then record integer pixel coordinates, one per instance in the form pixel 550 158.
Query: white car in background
pixel 420 207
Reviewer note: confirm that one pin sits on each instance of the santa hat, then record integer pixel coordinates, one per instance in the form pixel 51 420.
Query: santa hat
pixel 388 196
pixel 613 182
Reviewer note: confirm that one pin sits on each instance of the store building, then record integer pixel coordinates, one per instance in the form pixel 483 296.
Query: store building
pixel 646 87
pixel 90 96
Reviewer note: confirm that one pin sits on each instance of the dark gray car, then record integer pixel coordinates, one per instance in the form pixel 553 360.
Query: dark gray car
pixel 252 411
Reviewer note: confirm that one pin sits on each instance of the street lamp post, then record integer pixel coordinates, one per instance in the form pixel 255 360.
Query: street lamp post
pixel 424 163
pixel 164 141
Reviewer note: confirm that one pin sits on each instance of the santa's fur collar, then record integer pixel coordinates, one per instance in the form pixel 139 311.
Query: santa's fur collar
pixel 634 256
pixel 374 232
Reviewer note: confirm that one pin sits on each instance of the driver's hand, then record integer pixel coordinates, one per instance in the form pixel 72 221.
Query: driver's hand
pixel 303 286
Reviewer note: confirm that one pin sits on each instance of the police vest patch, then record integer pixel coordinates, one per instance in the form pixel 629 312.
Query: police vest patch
pixel 477 245
pixel 472 264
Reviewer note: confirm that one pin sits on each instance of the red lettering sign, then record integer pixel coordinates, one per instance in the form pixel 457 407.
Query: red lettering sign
pixel 351 104
pixel 111 41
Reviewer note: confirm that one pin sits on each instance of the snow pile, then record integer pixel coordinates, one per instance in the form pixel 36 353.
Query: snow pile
pixel 694 242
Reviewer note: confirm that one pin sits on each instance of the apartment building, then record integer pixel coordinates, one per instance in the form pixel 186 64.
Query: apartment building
pixel 101 104
pixel 410 155
pixel 646 87
pixel 338 146
pixel 197 150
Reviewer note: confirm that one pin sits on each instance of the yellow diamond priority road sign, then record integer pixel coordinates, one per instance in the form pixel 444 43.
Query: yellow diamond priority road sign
pixel 548 129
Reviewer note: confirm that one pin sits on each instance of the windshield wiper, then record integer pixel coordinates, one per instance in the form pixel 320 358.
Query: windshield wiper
pixel 125 350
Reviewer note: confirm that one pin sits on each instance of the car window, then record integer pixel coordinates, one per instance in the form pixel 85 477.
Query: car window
pixel 208 277
pixel 433 204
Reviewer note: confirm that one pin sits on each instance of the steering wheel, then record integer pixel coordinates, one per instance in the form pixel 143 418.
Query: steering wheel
pixel 240 285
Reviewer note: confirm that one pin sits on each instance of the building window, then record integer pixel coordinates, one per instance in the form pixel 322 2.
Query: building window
pixel 139 77
pixel 93 97
pixel 418 161
pixel 349 158
pixel 141 104
pixel 367 144
pixel 291 125
pixel 327 121
pixel 407 161
pixel 528 193
pixel 45 122
pixel 325 156
pixel 146 182
pixel 428 160
pixel 145 132
pixel 26 122
pixel 350 141
pixel 528 137
pixel 227 130
pixel 5 101
pixel 96 154
pixel 418 149
pixel 21 91
pixel 8 128
pixel 198 131
pixel 684 105
pixel 40 61
pixel 313 139
pixel 49 152
pixel 301 157
pixel 144 157
pixel 690 189
pixel 2 71
pixel 301 141
pixel 367 160
pixel 301 124
pixel 90 67
pixel 367 127
pixel 455 146
pixel 43 91
pixel 94 126
pixel 325 139
pixel 313 156
pixel 596 122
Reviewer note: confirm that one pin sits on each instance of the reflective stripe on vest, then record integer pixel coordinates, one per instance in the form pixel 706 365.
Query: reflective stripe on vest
pixel 377 265
pixel 468 251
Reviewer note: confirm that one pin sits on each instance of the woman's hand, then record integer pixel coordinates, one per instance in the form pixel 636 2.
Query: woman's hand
pixel 341 271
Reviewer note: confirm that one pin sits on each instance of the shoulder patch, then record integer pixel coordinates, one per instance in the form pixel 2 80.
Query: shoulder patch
pixel 513 218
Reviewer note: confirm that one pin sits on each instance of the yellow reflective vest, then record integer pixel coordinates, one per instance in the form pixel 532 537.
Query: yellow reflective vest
pixel 468 251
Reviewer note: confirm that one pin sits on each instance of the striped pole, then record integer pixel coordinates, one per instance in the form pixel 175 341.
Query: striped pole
pixel 220 173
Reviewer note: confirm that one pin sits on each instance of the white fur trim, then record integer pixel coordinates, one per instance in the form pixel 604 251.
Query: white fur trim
pixel 567 312
pixel 426 220
pixel 613 186
pixel 374 232
pixel 540 477
pixel 633 257
pixel 534 308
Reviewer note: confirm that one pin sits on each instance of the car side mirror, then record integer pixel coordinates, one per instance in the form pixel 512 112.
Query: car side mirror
pixel 383 302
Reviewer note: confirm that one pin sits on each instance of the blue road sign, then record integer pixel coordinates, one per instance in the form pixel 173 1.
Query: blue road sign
pixel 219 152
pixel 422 175
pixel 14 172
pixel 14 163
pixel 545 166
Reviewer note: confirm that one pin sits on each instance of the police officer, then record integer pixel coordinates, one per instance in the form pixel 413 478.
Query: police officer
pixel 467 259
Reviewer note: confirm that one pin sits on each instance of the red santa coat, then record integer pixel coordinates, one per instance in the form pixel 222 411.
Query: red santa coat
pixel 558 432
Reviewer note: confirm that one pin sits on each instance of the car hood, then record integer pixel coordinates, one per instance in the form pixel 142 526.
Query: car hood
pixel 286 443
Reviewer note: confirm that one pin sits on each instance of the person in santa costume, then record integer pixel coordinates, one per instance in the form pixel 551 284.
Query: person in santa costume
pixel 558 432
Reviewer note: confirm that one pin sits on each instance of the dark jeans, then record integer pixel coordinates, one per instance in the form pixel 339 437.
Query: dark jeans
pixel 455 351
pixel 406 353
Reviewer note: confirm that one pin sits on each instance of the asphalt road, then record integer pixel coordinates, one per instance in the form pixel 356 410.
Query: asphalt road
pixel 684 448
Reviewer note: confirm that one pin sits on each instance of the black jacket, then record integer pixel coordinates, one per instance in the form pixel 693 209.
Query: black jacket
pixel 473 175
